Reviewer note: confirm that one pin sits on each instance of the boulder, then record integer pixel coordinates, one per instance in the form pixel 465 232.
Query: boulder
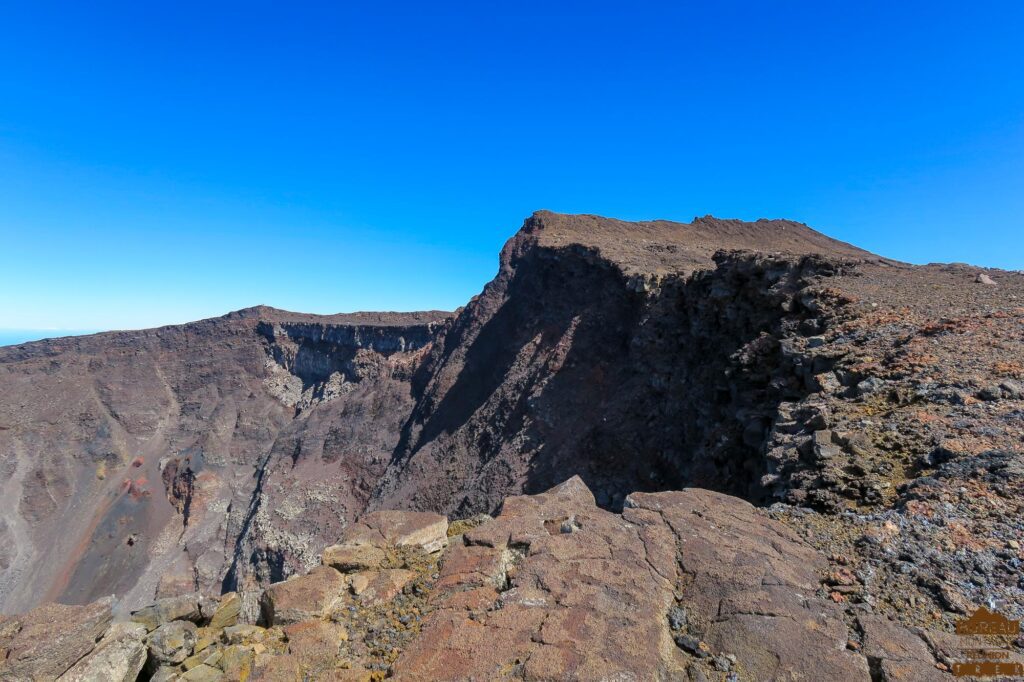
pixel 244 634
pixel 316 645
pixel 119 657
pixel 425 530
pixel 226 612
pixel 203 673
pixel 48 640
pixel 306 597
pixel 561 589
pixel 183 607
pixel 237 662
pixel 172 643
pixel 384 586
pixel 578 605
pixel 205 637
pixel 750 587
pixel 354 557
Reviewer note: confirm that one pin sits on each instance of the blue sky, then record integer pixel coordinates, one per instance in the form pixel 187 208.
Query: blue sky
pixel 162 162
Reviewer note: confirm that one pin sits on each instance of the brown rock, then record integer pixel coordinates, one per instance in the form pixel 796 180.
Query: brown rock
pixel 354 557
pixel 358 582
pixel 399 528
pixel 886 639
pixel 306 597
pixel 593 603
pixel 553 609
pixel 384 586
pixel 466 566
pixel 316 645
pixel 750 588
pixel 48 640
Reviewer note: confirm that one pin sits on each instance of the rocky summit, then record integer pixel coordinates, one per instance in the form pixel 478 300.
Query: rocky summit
pixel 717 450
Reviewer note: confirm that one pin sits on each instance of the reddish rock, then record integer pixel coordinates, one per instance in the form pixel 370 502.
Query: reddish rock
pixel 402 529
pixel 305 597
pixel 385 585
pixel 353 557
pixel 583 613
pixel 466 566
pixel 586 593
pixel 316 645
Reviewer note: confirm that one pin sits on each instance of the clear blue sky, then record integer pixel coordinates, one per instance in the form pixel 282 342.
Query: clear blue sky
pixel 161 162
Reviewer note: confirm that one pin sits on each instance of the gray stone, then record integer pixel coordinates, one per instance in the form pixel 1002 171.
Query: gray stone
pixel 990 393
pixel 119 657
pixel 1012 389
pixel 172 642
pixel 184 607
pixel 47 641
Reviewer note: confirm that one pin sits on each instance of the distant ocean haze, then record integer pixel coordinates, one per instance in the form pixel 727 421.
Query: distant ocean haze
pixel 11 337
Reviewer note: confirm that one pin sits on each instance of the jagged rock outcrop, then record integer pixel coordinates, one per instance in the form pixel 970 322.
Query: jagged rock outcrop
pixel 872 407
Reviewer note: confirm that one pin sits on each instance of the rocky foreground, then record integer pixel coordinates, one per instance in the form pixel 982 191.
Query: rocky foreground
pixel 684 585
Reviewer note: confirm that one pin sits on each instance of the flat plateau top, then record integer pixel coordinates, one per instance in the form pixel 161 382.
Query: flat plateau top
pixel 662 246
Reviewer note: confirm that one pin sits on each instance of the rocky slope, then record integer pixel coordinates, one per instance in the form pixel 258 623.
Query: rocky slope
pixel 686 585
pixel 870 407
pixel 141 463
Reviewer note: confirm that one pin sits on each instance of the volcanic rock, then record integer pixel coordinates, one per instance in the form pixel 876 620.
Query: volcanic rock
pixel 304 597
pixel 172 643
pixel 119 657
pixel 185 607
pixel 427 531
pixel 47 641
pixel 226 612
